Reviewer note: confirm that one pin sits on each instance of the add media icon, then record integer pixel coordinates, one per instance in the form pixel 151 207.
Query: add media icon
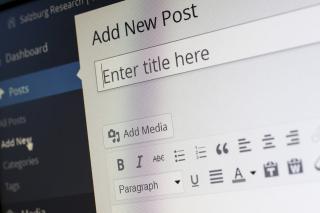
pixel 114 135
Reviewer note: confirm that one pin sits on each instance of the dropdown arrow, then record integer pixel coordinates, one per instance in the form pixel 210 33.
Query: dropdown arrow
pixel 253 172
pixel 177 181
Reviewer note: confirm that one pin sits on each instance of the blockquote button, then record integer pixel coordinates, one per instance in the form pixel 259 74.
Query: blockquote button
pixel 137 131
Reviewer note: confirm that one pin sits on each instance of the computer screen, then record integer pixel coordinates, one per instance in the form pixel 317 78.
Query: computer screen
pixel 160 106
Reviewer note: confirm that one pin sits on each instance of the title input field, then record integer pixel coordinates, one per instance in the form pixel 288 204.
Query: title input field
pixel 218 47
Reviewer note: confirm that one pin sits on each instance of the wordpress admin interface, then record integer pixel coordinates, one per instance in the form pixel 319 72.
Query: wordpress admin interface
pixel 160 106
pixel 202 106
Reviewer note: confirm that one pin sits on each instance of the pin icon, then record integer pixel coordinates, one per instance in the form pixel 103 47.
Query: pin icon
pixel 317 164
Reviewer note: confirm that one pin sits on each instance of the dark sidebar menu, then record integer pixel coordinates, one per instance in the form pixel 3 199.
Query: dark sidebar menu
pixel 45 163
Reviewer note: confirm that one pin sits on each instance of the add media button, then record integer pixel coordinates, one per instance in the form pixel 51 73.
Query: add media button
pixel 137 131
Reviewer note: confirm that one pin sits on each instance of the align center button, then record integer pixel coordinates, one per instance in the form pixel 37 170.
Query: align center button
pixel 146 186
pixel 137 131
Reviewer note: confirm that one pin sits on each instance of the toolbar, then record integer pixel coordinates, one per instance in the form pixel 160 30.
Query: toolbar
pixel 276 155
